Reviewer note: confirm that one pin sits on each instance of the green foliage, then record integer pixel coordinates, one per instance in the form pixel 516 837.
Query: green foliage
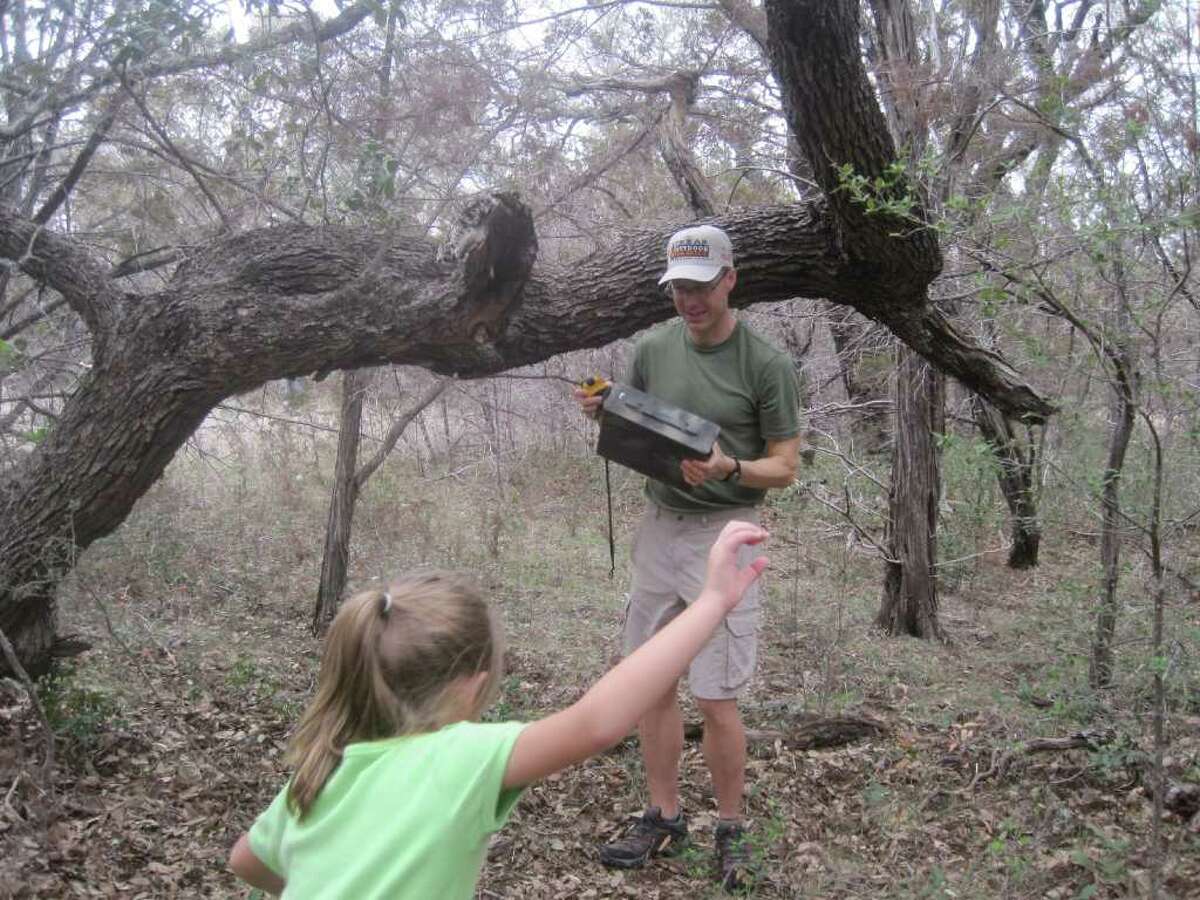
pixel 244 673
pixel 35 435
pixel 78 713
pixel 1105 858
pixel 375 180
pixel 874 795
pixel 1117 758
pixel 11 357
pixel 1010 846
pixel 136 31
pixel 507 706
pixel 886 195
pixel 935 887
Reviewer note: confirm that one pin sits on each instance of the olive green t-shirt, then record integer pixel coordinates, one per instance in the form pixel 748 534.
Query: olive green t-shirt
pixel 744 384
pixel 406 818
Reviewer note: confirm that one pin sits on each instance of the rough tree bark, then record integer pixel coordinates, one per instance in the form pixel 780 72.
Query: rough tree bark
pixel 826 86
pixel 1017 460
pixel 342 500
pixel 909 603
pixel 288 301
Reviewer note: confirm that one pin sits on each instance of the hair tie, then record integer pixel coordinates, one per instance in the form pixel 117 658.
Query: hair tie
pixel 387 602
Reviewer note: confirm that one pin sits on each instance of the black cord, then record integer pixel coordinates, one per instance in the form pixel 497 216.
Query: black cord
pixel 612 546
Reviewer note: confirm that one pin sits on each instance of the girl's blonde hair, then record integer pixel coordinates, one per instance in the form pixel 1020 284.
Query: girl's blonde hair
pixel 391 660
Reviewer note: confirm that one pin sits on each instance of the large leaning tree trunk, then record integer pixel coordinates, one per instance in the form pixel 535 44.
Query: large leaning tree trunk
pixel 815 52
pixel 286 302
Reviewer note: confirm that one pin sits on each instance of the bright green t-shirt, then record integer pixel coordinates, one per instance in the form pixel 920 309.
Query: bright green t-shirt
pixel 406 818
pixel 744 384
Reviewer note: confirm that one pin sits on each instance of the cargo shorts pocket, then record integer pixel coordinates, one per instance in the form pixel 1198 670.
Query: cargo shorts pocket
pixel 742 646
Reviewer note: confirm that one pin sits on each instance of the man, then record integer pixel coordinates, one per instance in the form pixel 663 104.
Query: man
pixel 713 365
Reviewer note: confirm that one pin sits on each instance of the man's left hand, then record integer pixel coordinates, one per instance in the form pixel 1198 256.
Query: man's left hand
pixel 717 467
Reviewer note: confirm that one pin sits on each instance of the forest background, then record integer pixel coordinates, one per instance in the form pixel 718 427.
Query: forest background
pixel 968 221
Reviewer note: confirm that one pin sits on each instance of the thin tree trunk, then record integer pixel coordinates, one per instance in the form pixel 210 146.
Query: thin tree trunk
pixel 1016 475
pixel 341 503
pixel 348 484
pixel 1100 670
pixel 910 601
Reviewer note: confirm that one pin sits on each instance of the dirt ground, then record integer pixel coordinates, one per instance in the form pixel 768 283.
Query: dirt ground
pixel 171 730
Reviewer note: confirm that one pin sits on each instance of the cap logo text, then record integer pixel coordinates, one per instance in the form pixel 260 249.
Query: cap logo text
pixel 691 248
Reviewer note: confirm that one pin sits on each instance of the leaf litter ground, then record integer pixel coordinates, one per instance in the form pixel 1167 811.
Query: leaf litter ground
pixel 172 731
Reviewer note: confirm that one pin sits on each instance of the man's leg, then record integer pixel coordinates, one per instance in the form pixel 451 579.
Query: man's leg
pixel 662 828
pixel 717 676
pixel 661 734
pixel 653 602
pixel 725 753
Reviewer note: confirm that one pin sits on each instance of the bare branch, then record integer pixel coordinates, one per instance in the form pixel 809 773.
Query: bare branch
pixel 14 665
pixel 393 435
pixel 161 134
pixel 60 262
pixel 32 319
pixel 297 32
pixel 64 187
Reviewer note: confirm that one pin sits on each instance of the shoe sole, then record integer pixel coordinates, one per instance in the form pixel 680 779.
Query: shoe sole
pixel 623 863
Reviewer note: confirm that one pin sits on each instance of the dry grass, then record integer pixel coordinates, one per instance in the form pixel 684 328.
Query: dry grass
pixel 198 607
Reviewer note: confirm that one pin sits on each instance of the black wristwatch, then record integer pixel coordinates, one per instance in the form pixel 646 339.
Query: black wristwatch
pixel 735 473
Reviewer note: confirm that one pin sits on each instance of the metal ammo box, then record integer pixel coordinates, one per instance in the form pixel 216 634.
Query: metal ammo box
pixel 652 437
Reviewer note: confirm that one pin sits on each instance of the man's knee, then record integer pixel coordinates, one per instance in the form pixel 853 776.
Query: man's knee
pixel 719 714
pixel 665 705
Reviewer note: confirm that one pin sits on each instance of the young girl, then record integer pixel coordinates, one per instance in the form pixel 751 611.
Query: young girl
pixel 397 787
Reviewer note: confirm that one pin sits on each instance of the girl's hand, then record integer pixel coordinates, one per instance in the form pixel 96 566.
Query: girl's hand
pixel 724 580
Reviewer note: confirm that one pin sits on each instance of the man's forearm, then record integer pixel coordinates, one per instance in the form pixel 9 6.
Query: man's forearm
pixel 767 472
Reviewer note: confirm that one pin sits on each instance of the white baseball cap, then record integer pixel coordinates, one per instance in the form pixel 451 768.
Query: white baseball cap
pixel 698 253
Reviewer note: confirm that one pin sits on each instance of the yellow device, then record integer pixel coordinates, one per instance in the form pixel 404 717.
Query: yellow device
pixel 594 385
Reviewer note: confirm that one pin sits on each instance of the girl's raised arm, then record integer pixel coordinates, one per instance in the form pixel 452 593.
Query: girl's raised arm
pixel 613 706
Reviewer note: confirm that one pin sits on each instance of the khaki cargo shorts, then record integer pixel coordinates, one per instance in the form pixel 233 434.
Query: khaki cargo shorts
pixel 670 556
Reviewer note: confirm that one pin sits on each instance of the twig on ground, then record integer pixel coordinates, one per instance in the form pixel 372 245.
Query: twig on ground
pixel 998 768
pixel 14 665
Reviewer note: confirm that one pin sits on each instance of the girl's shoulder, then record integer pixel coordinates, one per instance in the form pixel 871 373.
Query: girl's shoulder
pixel 455 734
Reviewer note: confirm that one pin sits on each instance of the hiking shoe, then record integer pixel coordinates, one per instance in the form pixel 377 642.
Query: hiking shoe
pixel 734 866
pixel 650 835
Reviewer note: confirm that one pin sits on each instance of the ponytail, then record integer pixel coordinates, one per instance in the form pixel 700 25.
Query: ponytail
pixel 391 660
